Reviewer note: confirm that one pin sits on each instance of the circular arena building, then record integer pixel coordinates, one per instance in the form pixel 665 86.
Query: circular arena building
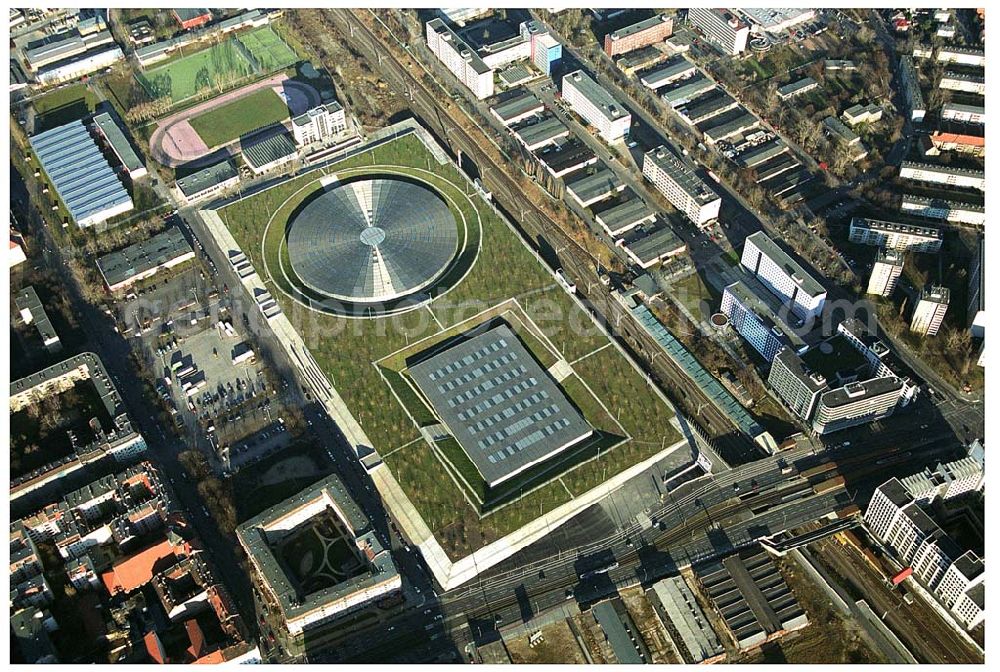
pixel 372 240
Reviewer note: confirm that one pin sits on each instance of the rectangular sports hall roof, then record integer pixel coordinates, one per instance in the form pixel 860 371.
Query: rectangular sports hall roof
pixel 505 411
pixel 79 172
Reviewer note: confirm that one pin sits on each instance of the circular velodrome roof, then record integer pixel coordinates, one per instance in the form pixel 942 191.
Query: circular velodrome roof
pixel 372 240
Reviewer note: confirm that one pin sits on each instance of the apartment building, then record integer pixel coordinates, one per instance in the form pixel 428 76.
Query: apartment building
pixel 938 174
pixel 460 59
pixel 949 211
pixel 753 313
pixel 962 55
pixel 947 480
pixel 721 28
pixel 596 106
pixel 966 114
pixel 785 278
pixel 963 81
pixel 886 270
pixel 895 236
pixel 956 578
pixel 638 35
pixel 679 184
pixel 798 388
pixel 545 52
pixel 930 311
pixel 958 142
pixel 909 81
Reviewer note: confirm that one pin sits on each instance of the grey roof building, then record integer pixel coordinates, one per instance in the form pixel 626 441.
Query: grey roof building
pixel 113 135
pixel 625 216
pixel 706 107
pixel 517 108
pixel 688 90
pixel 668 72
pixel 82 177
pixel 601 185
pixel 270 152
pixel 727 129
pixel 649 245
pixel 678 605
pixel 208 180
pixel 621 634
pixel 122 268
pixel 302 603
pixel 797 87
pixel 502 407
pixel 540 133
pixel 32 312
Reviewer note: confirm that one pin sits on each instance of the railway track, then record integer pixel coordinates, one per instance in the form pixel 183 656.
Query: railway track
pixel 576 262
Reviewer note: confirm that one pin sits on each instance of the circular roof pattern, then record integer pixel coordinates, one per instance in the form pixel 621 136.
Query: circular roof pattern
pixel 372 240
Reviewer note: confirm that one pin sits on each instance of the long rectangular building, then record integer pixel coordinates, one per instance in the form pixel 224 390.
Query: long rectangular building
pixel 963 55
pixel 755 317
pixel 638 35
pixel 649 245
pixel 963 81
pixel 895 236
pixel 783 276
pixel 909 82
pixel 517 108
pixel 728 129
pixel 599 186
pixel 541 133
pixel 949 211
pixel 940 174
pixel 624 217
pixel 460 59
pixel 115 138
pixel 707 107
pixel 688 90
pixel 125 267
pixel 685 190
pixel 597 107
pixel 668 73
pixel 86 183
pixel 966 114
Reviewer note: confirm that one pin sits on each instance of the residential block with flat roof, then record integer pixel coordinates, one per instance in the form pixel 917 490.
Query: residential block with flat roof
pixel 783 276
pixel 597 107
pixel 679 184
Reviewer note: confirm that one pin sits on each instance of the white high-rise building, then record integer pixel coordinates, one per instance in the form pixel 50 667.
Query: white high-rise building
pixel 319 124
pixel 460 59
pixel 592 102
pixel 885 273
pixel 721 28
pixel 930 311
pixel 685 190
pixel 783 276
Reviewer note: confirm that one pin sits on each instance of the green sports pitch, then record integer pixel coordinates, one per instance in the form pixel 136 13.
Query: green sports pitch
pixel 227 122
pixel 220 66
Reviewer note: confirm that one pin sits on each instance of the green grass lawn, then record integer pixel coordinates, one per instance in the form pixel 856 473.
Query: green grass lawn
pixel 505 268
pixel 63 106
pixel 692 290
pixel 218 67
pixel 224 124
